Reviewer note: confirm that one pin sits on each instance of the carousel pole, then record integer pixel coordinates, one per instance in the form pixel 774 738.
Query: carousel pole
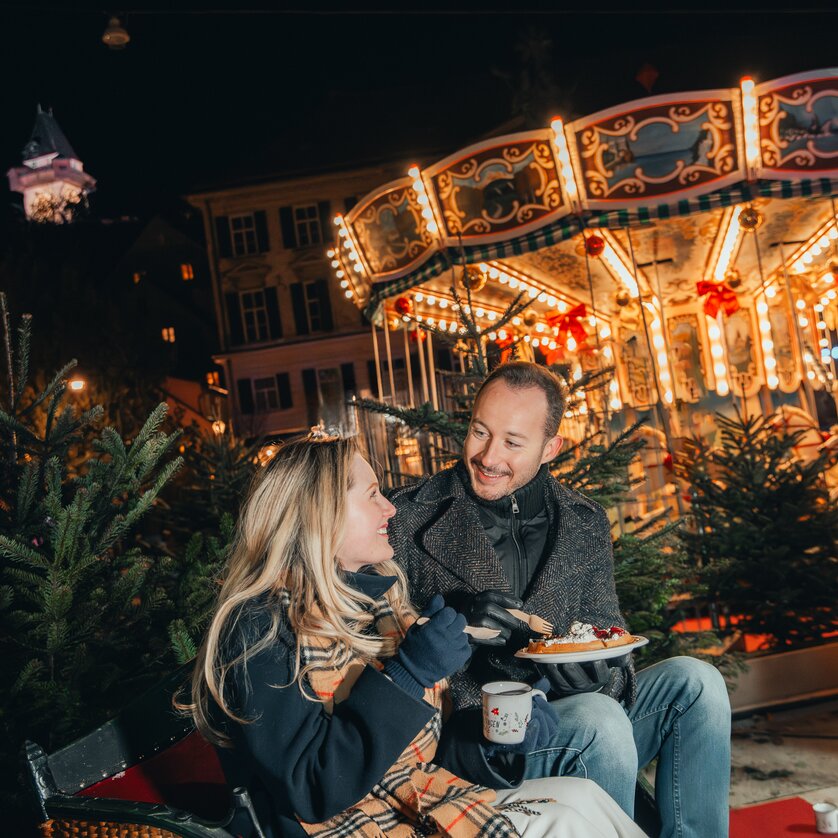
pixel 661 411
pixel 606 415
pixel 377 363
pixel 408 366
pixel 389 360
pixel 432 372
pixel 808 394
pixel 422 371
pixel 763 289
pixel 606 408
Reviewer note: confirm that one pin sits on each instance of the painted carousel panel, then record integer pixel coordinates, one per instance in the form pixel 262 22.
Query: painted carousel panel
pixel 390 230
pixel 504 186
pixel 666 147
pixel 798 124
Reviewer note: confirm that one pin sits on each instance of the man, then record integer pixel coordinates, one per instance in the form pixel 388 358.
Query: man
pixel 497 531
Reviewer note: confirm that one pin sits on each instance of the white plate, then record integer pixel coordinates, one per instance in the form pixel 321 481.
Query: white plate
pixel 587 654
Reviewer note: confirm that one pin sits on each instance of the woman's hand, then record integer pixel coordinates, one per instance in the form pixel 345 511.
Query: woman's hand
pixel 431 651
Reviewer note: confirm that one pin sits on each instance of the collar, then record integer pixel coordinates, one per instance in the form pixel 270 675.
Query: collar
pixel 529 497
pixel 374 585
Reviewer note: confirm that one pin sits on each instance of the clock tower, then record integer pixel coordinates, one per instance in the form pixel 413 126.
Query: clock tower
pixel 51 178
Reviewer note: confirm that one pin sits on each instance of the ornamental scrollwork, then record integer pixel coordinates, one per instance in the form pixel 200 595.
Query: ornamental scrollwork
pixel 635 154
pixel 499 189
pixel 798 126
pixel 391 232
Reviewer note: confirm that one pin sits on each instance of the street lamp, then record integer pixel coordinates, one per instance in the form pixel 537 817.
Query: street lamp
pixel 115 35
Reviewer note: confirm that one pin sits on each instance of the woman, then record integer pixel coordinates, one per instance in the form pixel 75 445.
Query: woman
pixel 321 692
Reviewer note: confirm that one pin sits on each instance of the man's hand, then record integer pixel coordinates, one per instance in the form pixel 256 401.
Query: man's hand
pixel 488 609
pixel 576 678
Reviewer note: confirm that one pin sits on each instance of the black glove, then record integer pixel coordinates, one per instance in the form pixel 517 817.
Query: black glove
pixel 431 651
pixel 540 729
pixel 576 678
pixel 488 609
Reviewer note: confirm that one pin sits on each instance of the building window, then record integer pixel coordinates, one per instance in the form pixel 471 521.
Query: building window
pixel 255 316
pixel 243 234
pixel 314 306
pixel 169 334
pixel 307 225
pixel 265 394
pixel 213 379
pixel 186 271
pixel 138 276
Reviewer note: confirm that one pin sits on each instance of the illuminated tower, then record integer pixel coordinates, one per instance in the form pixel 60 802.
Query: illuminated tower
pixel 52 178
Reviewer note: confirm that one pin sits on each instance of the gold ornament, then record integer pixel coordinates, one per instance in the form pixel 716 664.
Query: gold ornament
pixel 750 219
pixel 473 280
pixel 530 318
pixel 623 298
pixel 732 278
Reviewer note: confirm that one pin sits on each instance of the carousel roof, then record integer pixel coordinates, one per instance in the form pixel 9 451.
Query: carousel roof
pixel 670 183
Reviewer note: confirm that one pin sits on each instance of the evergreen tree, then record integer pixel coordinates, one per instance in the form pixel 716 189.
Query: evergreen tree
pixel 77 594
pixel 649 560
pixel 764 529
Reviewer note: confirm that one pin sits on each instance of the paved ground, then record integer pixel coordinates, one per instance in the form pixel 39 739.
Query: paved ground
pixel 786 752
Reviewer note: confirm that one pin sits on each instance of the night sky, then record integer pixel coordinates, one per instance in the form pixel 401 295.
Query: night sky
pixel 202 99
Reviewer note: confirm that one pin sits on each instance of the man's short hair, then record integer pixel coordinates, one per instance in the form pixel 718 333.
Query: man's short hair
pixel 521 375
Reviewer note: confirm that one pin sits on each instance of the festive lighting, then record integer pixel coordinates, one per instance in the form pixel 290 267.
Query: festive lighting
pixel 617 262
pixel 817 243
pixel 563 155
pixel 726 245
pixel 77 384
pixel 717 352
pixel 351 254
pixel 750 118
pixel 428 214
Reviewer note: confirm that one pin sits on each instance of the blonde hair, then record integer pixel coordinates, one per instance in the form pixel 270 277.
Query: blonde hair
pixel 290 528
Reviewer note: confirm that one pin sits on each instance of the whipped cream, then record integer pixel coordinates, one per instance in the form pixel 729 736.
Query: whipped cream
pixel 585 633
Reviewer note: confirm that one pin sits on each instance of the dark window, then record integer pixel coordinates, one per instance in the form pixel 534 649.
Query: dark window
pixel 307 225
pixel 255 314
pixel 243 234
pixel 266 394
pixel 314 309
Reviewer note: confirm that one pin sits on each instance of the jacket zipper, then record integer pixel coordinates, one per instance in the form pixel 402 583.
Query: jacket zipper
pixel 517 580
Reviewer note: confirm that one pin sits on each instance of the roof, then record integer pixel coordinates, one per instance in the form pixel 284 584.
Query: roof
pixel 47 138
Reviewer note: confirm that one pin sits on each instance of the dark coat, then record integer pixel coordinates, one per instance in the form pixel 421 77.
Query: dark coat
pixel 440 541
pixel 296 759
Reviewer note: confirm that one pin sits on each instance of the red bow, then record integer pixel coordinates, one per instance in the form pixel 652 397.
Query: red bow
pixel 718 296
pixel 565 325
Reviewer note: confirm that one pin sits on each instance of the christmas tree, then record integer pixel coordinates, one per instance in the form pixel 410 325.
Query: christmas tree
pixel 649 558
pixel 77 595
pixel 764 529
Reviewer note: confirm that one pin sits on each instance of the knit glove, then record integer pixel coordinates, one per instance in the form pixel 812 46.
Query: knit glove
pixel 541 727
pixel 488 610
pixel 431 651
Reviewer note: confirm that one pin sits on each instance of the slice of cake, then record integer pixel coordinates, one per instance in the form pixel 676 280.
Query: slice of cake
pixel 582 637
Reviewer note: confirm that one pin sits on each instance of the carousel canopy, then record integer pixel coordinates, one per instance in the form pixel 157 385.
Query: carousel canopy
pixel 669 186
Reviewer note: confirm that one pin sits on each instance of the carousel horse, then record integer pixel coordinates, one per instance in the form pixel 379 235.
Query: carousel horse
pixel 811 441
pixel 651 474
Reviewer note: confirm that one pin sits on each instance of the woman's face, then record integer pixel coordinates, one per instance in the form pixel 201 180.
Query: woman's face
pixel 367 513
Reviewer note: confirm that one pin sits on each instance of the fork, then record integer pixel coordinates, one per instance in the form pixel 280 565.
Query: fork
pixel 477 632
pixel 536 623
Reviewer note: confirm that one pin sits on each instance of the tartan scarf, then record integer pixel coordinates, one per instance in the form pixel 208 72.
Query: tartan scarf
pixel 414 798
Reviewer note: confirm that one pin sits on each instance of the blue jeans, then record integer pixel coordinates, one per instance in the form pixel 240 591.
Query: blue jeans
pixel 681 716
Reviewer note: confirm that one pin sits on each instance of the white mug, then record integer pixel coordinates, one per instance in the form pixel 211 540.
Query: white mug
pixel 826 818
pixel 507 708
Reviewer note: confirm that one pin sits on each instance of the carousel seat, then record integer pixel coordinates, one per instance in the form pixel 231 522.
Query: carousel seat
pixel 147 773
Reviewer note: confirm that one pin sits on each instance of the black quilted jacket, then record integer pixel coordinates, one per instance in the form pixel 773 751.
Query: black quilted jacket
pixel 439 539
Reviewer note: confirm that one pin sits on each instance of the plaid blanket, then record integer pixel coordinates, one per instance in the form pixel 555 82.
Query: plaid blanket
pixel 415 797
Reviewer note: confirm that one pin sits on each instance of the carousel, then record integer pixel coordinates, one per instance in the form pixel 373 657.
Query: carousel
pixel 689 241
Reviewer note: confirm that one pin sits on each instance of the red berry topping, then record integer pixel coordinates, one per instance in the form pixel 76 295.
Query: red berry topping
pixel 602 634
pixel 616 631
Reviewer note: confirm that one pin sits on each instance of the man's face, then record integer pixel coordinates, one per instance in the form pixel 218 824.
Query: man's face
pixel 505 445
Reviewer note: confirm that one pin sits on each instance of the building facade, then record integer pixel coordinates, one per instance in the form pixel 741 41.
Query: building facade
pixel 294 349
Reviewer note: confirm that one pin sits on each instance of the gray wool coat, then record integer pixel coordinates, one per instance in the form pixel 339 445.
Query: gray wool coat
pixel 440 542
